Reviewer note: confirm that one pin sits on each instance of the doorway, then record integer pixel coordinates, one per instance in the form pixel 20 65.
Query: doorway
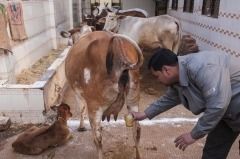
pixel 161 7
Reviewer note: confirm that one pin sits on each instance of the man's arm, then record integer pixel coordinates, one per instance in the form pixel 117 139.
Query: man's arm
pixel 214 83
pixel 166 102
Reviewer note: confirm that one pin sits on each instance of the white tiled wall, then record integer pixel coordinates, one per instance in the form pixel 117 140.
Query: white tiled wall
pixel 43 19
pixel 221 34
pixel 7 68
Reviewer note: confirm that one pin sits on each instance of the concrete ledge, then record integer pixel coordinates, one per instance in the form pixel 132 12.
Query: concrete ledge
pixel 26 103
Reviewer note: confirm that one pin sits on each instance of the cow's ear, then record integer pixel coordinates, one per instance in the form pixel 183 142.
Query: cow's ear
pixel 82 24
pixel 102 20
pixel 105 4
pixel 72 31
pixel 65 34
pixel 54 108
pixel 95 12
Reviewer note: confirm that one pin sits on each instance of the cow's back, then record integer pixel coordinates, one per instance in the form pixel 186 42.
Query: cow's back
pixel 151 32
pixel 85 66
pixel 167 22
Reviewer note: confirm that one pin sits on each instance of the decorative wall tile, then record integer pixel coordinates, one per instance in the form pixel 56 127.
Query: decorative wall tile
pixel 215 45
pixel 222 33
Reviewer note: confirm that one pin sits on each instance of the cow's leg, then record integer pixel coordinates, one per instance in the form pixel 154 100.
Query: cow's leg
pixel 177 43
pixel 171 41
pixel 95 122
pixel 82 105
pixel 136 131
pixel 132 102
pixel 168 43
pixel 177 39
pixel 79 101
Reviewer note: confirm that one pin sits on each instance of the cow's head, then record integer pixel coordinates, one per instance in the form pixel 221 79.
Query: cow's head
pixel 95 11
pixel 56 111
pixel 63 111
pixel 104 11
pixel 112 22
pixel 76 33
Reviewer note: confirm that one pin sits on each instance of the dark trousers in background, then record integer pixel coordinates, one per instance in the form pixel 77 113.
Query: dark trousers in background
pixel 219 142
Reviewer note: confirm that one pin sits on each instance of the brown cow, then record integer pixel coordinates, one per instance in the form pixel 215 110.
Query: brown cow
pixel 35 140
pixel 103 68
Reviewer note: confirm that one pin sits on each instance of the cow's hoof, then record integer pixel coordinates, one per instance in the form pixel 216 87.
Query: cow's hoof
pixel 82 129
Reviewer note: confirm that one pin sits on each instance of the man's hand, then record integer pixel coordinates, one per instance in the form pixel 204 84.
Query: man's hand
pixel 184 140
pixel 138 115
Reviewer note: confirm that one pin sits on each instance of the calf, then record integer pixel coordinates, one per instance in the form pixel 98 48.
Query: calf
pixel 161 31
pixel 35 140
pixel 103 68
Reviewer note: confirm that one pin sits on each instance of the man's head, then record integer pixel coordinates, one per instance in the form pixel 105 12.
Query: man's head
pixel 164 65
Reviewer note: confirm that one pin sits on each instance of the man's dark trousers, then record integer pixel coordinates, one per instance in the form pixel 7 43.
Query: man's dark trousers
pixel 219 142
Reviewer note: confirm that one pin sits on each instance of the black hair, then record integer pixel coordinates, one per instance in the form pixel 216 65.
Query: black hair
pixel 162 57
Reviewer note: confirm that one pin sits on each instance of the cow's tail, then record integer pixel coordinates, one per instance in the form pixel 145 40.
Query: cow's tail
pixel 177 41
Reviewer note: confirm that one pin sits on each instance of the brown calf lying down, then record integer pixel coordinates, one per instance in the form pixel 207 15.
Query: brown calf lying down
pixel 35 140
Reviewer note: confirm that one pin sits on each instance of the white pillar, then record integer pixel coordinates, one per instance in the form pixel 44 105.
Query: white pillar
pixel 80 10
pixel 71 13
pixel 52 21
pixel 7 68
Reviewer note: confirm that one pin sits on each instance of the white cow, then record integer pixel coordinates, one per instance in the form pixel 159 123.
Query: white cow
pixel 160 31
